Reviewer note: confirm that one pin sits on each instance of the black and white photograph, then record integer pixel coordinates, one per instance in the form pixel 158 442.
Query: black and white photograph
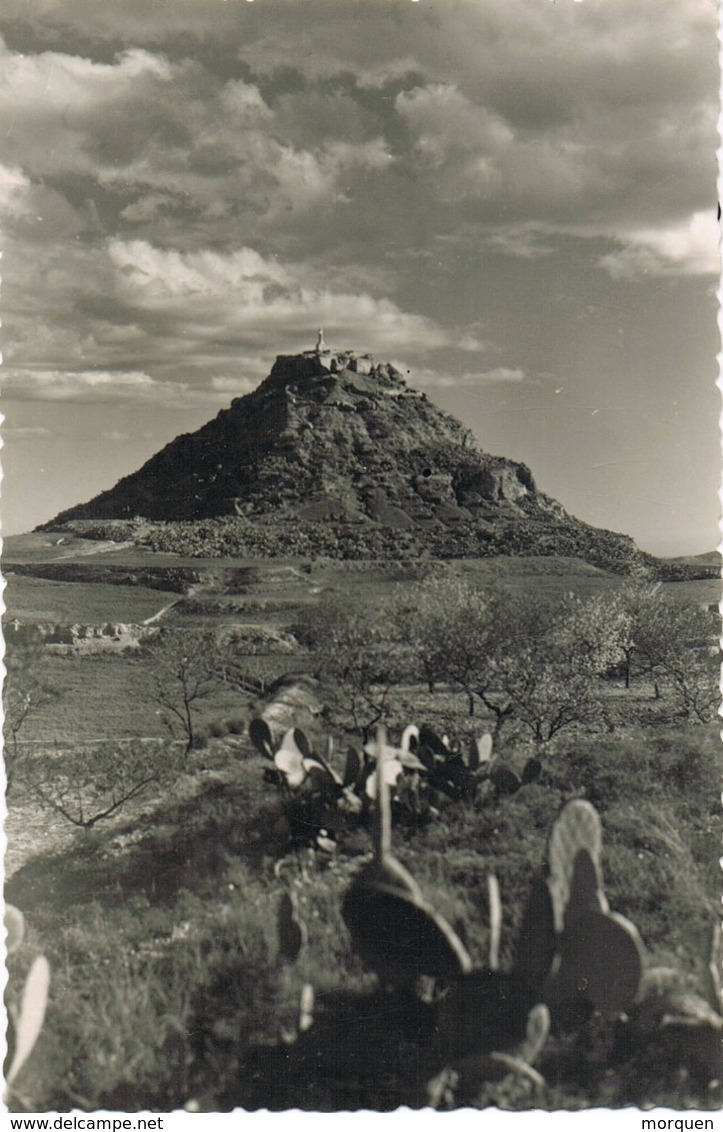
pixel 360 513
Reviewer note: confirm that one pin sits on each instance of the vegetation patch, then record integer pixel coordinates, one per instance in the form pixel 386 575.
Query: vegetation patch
pixel 208 920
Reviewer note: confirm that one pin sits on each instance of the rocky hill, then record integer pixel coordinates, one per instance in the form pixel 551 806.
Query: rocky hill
pixel 334 454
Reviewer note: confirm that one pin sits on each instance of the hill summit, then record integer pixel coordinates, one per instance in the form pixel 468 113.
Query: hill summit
pixel 331 441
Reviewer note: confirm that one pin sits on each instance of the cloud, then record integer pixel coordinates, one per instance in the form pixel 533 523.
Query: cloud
pixel 351 123
pixel 168 136
pixel 116 437
pixel 83 387
pixel 250 300
pixel 457 144
pixel 13 189
pixel 189 206
pixel 237 386
pixel 521 241
pixel 436 379
pixel 690 247
pixel 95 387
pixel 28 432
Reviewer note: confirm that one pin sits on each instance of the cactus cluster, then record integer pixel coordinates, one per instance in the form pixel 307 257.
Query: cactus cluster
pixel 394 929
pixel 574 958
pixel 490 1031
pixel 317 798
pixel 676 1027
pixel 421 769
pixel 599 955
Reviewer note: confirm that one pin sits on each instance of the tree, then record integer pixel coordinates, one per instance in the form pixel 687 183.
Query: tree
pixel 448 625
pixel 541 669
pixel 672 643
pixel 356 656
pixel 428 620
pixel 636 605
pixel 679 646
pixel 185 668
pixel 533 660
pixel 26 688
pixel 87 784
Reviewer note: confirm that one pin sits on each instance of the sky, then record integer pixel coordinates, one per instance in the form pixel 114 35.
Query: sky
pixel 514 201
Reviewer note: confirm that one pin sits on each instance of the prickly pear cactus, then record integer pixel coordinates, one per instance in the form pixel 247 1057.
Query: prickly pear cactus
pixel 480 753
pixel 260 736
pixel 14 928
pixel 24 1022
pixel 599 955
pixel 537 939
pixel 577 828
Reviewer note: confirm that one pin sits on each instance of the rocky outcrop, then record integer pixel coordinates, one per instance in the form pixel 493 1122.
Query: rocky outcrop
pixel 328 436
pixel 334 454
pixel 292 701
pixel 110 636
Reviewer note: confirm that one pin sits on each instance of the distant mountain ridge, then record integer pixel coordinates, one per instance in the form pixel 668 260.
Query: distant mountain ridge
pixel 331 442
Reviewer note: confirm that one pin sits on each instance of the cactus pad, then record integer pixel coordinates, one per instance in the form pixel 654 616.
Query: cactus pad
pixel 32 1012
pixel 484 1011
pixel 504 780
pixel 586 892
pixel 401 936
pixel 352 768
pixel 599 959
pixel 289 929
pixel 531 771
pixel 289 759
pixel 260 736
pixel 480 752
pixel 577 827
pixel 536 942
pixel 14 928
pixel 537 1033
pixel 714 970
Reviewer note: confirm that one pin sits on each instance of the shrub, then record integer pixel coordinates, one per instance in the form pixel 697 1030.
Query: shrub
pixel 217 729
pixel 236 725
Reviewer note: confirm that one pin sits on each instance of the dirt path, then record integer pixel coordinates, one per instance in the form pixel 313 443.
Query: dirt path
pixel 156 617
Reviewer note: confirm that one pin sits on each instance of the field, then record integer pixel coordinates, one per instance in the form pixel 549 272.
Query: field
pixel 38 599
pixel 175 978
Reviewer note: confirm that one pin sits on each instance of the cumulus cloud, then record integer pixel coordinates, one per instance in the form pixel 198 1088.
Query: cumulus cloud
pixel 235 386
pixel 251 297
pixel 167 135
pixel 84 387
pixel 457 143
pixel 96 387
pixel 690 247
pixel 13 189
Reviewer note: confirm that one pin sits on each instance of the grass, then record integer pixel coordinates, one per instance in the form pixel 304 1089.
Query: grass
pixel 99 697
pixel 161 934
pixel 67 603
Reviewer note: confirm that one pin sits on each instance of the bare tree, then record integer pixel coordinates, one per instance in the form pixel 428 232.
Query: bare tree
pixel 185 669
pixel 26 688
pixel 87 784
